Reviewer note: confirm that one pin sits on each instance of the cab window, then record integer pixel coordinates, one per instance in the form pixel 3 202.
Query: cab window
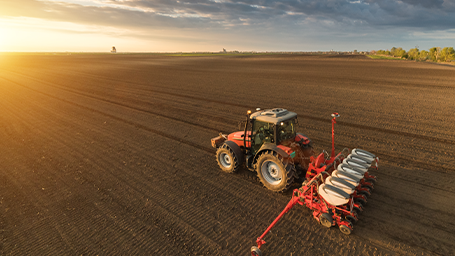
pixel 262 133
pixel 286 130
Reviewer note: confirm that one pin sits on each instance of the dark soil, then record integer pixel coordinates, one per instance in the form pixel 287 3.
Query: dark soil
pixel 111 155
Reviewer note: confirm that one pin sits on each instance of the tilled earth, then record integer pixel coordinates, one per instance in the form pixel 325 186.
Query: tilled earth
pixel 111 155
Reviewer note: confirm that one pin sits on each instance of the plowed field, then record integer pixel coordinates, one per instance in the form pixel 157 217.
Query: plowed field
pixel 111 155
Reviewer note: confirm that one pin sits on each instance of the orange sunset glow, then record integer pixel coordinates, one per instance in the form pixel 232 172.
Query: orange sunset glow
pixel 211 25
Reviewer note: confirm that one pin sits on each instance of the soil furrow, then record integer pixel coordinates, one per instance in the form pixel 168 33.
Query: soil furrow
pixel 399 160
pixel 301 115
pixel 209 150
pixel 413 162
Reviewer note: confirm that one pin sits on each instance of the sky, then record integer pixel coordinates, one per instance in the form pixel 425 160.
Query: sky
pixel 211 25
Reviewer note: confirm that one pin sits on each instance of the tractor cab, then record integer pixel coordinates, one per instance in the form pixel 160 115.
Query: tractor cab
pixel 272 126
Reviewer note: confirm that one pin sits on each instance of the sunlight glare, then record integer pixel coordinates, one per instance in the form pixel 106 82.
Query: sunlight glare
pixel 38 35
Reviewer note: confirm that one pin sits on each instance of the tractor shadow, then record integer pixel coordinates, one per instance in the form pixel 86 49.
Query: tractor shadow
pixel 252 177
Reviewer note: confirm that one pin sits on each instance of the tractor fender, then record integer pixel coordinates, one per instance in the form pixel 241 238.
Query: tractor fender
pixel 270 146
pixel 237 150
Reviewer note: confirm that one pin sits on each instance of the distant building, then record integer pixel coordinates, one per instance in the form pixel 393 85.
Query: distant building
pixel 224 50
pixel 113 49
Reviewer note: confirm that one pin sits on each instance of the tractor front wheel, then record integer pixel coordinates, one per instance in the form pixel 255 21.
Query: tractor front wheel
pixel 227 159
pixel 274 172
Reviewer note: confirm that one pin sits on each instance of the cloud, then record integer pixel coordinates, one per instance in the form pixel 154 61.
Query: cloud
pixel 264 22
pixel 205 14
pixel 426 3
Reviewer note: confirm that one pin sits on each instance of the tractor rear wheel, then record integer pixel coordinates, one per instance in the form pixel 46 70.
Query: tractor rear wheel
pixel 274 172
pixel 227 159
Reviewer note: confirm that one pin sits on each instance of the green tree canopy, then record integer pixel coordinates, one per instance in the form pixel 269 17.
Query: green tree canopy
pixel 434 53
pixel 447 54
pixel 423 55
pixel 398 52
pixel 413 54
pixel 401 53
pixel 392 51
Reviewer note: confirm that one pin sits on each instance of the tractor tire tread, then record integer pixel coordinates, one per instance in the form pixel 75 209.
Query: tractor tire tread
pixel 289 170
pixel 235 160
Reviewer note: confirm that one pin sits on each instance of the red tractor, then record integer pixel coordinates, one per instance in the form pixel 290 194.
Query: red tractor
pixel 268 145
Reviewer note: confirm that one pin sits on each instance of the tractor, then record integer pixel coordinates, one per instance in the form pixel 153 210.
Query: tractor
pixel 268 145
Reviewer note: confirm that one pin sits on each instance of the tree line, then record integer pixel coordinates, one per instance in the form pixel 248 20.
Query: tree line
pixel 435 54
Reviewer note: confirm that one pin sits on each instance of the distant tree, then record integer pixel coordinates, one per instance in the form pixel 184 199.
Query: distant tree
pixel 447 54
pixel 392 51
pixel 434 53
pixel 387 52
pixel 438 53
pixel 423 55
pixel 401 53
pixel 451 54
pixel 413 54
pixel 443 55
pixel 431 53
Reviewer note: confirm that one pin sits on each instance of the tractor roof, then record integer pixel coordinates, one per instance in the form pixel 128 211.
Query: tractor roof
pixel 275 115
